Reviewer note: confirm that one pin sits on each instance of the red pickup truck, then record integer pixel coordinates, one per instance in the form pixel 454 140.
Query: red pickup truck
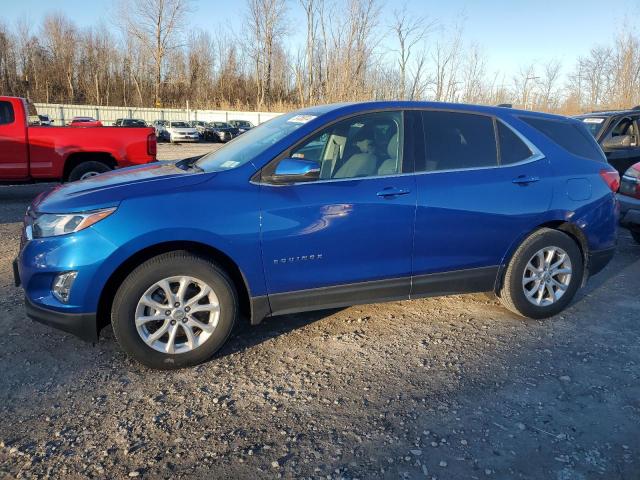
pixel 31 153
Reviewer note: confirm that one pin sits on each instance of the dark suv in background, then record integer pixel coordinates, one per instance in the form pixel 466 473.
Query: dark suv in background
pixel 617 134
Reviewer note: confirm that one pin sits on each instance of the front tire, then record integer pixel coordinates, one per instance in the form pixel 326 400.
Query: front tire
pixel 175 310
pixel 543 275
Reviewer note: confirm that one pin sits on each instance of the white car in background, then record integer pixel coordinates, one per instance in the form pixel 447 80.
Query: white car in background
pixel 182 132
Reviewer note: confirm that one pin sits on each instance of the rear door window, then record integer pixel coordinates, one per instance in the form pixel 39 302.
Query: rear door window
pixel 570 135
pixel 457 140
pixel 6 113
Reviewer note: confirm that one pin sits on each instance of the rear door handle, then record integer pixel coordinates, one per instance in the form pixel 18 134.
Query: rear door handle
pixel 525 180
pixel 392 192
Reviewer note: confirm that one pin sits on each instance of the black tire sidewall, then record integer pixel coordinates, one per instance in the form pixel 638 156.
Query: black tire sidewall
pixel 86 167
pixel 134 286
pixel 636 235
pixel 522 257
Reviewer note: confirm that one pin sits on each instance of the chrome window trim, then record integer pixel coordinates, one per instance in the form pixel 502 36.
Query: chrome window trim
pixel 536 155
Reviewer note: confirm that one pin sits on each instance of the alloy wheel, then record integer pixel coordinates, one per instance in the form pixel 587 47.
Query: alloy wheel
pixel 177 314
pixel 547 276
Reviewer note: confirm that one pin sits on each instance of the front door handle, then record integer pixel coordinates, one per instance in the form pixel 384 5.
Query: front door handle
pixel 392 192
pixel 525 180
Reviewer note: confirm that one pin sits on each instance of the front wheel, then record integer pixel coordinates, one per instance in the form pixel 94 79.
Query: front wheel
pixel 175 310
pixel 543 275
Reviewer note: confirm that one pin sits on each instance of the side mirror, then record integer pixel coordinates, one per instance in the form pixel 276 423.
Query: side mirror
pixel 293 170
pixel 621 141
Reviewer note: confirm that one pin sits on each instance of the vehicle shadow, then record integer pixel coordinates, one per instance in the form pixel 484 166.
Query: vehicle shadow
pixel 247 336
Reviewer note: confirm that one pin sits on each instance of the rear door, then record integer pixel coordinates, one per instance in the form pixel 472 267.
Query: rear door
pixel 14 148
pixel 480 187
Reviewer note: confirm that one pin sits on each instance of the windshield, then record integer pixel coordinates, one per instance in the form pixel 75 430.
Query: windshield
pixel 249 145
pixel 180 125
pixel 593 124
pixel 219 125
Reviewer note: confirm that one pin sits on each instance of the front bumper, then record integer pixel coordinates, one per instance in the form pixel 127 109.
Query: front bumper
pixel 629 212
pixel 82 325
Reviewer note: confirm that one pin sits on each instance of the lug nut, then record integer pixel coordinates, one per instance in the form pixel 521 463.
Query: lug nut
pixel 167 312
pixel 186 309
pixel 177 304
pixel 185 320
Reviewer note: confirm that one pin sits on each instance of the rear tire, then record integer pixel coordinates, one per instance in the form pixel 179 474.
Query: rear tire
pixel 543 275
pixel 88 169
pixel 170 336
pixel 636 235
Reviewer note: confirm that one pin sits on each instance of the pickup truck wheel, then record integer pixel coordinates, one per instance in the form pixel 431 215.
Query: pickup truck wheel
pixel 88 169
pixel 543 275
pixel 175 310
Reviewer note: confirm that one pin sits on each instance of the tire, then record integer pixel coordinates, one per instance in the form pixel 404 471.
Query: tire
pixel 636 235
pixel 512 293
pixel 128 305
pixel 88 169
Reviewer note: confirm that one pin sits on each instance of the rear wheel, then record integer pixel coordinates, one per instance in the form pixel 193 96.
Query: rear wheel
pixel 88 169
pixel 543 275
pixel 175 310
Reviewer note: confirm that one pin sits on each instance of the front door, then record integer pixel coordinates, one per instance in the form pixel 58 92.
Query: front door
pixel 346 237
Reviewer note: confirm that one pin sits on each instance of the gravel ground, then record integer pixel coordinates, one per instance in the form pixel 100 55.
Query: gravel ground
pixel 448 388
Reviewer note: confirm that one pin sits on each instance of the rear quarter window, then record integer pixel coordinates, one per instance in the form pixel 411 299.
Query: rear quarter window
pixel 572 136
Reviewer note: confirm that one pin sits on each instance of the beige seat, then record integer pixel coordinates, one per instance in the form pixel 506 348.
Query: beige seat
pixel 390 165
pixel 358 165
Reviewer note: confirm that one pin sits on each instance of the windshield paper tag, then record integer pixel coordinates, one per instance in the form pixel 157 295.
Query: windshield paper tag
pixel 230 164
pixel 301 118
pixel 593 120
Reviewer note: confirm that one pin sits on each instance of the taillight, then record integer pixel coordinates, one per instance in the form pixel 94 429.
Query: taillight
pixel 152 145
pixel 611 178
pixel 631 181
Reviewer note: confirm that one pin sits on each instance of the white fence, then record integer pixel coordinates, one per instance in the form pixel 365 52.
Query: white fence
pixel 62 114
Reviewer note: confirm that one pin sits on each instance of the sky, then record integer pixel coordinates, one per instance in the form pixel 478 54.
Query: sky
pixel 511 33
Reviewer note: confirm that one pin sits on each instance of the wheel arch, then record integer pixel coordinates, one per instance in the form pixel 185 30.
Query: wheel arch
pixel 76 158
pixel 238 278
pixel 568 228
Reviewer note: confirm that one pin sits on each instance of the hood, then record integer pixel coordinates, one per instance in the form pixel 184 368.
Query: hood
pixel 109 189
pixel 182 129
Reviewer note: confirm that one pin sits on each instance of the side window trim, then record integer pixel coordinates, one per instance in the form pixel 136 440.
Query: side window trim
pixel 536 154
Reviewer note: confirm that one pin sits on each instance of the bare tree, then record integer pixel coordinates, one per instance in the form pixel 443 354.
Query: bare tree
pixel 410 33
pixel 157 25
pixel 267 20
pixel 548 85
pixel 524 83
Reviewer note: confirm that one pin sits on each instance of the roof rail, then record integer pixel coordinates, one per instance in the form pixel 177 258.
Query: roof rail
pixel 505 105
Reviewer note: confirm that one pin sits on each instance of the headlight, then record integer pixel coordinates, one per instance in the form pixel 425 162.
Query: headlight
pixel 53 224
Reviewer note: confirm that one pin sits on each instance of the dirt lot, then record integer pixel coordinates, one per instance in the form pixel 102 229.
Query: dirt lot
pixel 446 388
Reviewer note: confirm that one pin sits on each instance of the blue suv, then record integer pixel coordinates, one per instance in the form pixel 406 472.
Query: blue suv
pixel 324 207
